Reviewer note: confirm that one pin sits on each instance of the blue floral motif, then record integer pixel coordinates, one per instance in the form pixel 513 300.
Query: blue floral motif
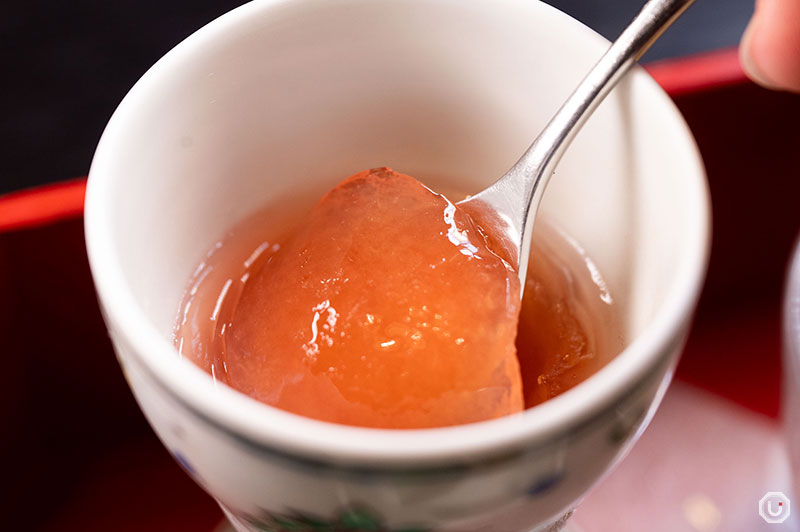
pixel 349 520
pixel 545 484
pixel 183 462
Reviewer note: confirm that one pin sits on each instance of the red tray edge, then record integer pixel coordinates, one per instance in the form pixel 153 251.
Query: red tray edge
pixel 697 73
pixel 41 205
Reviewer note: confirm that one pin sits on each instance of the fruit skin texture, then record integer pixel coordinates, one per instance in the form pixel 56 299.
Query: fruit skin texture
pixel 386 308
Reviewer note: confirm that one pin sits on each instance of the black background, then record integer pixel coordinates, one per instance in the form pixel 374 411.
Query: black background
pixel 66 65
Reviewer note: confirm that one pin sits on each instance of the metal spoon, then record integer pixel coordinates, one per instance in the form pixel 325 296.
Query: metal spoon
pixel 509 205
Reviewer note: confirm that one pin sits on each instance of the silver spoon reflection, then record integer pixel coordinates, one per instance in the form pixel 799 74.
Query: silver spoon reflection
pixel 509 206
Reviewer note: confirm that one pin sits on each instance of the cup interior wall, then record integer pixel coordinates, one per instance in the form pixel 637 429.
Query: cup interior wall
pixel 283 103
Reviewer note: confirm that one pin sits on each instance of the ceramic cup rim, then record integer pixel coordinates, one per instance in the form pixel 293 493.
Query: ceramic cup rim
pixel 272 428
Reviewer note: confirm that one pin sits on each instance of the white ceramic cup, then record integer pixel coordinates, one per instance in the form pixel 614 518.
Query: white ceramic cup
pixel 279 96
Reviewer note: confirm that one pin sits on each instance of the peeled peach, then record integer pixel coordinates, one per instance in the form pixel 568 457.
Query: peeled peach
pixel 385 308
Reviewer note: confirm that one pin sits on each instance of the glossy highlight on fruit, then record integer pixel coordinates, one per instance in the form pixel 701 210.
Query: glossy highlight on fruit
pixel 383 308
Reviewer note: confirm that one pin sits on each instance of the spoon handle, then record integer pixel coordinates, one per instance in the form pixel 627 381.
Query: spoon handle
pixel 518 193
pixel 655 17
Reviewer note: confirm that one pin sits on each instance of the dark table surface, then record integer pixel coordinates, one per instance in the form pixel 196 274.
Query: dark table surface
pixel 67 65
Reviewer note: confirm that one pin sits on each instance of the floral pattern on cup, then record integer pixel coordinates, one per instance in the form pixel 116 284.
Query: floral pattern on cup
pixel 354 519
pixel 184 463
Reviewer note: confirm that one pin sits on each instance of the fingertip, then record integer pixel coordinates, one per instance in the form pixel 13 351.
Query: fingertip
pixel 770 48
pixel 749 60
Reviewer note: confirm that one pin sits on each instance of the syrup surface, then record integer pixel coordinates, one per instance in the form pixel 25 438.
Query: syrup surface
pixel 386 308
